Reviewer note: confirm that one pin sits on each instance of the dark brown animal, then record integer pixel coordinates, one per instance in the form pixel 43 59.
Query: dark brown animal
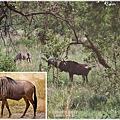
pixel 16 90
pixel 23 56
pixel 72 68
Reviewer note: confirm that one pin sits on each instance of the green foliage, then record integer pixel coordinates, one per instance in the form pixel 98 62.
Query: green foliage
pixel 97 102
pixel 55 45
pixel 7 64
pixel 113 103
pixel 25 42
pixel 102 94
pixel 80 101
pixel 49 35
pixel 111 114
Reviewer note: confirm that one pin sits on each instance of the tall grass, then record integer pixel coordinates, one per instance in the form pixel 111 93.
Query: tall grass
pixel 73 100
pixel 98 99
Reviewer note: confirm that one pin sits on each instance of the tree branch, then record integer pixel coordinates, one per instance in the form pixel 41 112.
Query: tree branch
pixel 11 8
pixel 90 46
pixel 100 58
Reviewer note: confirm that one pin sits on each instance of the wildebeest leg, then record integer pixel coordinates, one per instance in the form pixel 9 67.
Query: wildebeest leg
pixel 20 60
pixel 32 102
pixel 57 77
pixel 71 77
pixel 86 79
pixel 7 106
pixel 28 57
pixel 83 79
pixel 2 107
pixel 27 106
pixel 29 60
pixel 53 74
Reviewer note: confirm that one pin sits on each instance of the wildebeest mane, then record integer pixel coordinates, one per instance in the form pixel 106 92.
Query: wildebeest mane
pixel 10 80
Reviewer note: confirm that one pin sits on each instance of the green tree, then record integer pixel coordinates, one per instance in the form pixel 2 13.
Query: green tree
pixel 91 24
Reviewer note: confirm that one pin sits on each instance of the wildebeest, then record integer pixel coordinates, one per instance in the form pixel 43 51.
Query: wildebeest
pixel 75 68
pixel 72 68
pixel 16 90
pixel 23 56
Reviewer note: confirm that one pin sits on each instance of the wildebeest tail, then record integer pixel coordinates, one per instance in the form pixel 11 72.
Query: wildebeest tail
pixel 35 101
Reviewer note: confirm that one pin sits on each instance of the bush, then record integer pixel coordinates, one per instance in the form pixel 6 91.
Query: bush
pixel 80 98
pixel 97 102
pixel 7 65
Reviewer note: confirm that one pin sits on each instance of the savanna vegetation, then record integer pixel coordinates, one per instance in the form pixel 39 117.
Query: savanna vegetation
pixel 86 32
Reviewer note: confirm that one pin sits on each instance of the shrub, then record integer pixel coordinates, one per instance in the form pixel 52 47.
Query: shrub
pixel 7 64
pixel 80 101
pixel 97 102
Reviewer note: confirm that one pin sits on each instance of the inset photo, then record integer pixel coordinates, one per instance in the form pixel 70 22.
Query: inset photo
pixel 23 95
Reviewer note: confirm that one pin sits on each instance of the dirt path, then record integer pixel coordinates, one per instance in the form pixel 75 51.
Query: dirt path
pixel 27 116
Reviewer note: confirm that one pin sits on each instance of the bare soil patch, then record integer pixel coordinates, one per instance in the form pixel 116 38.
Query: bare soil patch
pixel 27 116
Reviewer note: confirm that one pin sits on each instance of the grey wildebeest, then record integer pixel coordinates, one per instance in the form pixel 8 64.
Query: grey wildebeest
pixel 16 90
pixel 23 56
pixel 72 68
pixel 53 61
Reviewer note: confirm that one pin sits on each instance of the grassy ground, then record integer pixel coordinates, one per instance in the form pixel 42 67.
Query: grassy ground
pixel 74 102
pixel 99 99
pixel 71 100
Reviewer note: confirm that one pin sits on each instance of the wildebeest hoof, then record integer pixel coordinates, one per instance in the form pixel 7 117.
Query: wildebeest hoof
pixel 22 116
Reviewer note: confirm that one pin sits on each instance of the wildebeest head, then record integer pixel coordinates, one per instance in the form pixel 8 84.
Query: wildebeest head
pixel 53 61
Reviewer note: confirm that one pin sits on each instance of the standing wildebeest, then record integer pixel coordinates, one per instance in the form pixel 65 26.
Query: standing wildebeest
pixel 23 56
pixel 15 90
pixel 75 68
pixel 72 68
